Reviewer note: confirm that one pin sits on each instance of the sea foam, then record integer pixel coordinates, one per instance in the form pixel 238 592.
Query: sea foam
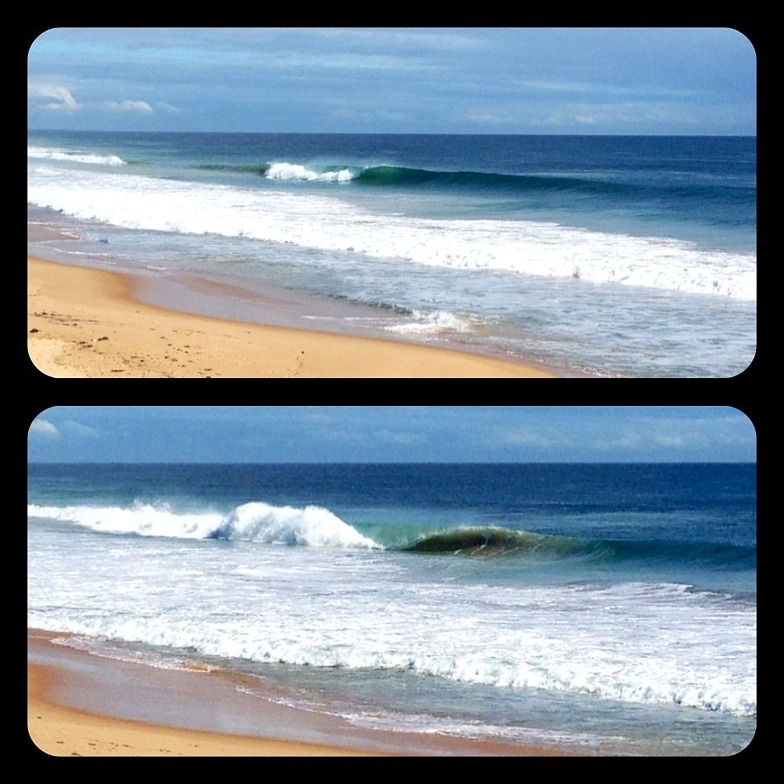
pixel 255 522
pixel 318 222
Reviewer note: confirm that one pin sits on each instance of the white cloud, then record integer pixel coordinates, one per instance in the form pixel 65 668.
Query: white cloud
pixel 64 101
pixel 43 427
pixel 128 106
pixel 61 99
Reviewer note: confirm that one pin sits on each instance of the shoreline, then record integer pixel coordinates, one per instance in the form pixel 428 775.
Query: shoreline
pixel 79 704
pixel 92 323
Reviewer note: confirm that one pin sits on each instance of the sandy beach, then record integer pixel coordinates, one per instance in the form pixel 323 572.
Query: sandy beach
pixel 83 705
pixel 59 729
pixel 87 323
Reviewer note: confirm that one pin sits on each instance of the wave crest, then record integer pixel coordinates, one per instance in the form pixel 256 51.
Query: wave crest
pixel 311 525
pixel 52 154
pixel 295 171
pixel 254 522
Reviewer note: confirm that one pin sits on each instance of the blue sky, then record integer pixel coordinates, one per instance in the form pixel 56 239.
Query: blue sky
pixel 391 434
pixel 395 80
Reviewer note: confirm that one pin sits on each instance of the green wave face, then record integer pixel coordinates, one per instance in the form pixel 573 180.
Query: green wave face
pixel 493 541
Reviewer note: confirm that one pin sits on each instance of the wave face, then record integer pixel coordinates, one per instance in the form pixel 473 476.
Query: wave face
pixel 495 541
pixel 262 523
pixel 741 200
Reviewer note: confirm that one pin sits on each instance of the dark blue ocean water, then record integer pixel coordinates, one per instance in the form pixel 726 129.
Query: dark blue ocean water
pixel 608 255
pixel 597 607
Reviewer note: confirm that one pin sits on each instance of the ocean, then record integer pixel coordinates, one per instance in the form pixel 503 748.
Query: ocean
pixel 615 256
pixel 597 608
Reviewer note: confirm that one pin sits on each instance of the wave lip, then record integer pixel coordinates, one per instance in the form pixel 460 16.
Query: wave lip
pixel 254 522
pixel 295 171
pixel 311 525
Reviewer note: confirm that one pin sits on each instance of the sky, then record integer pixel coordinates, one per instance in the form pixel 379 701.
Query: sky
pixel 395 80
pixel 383 434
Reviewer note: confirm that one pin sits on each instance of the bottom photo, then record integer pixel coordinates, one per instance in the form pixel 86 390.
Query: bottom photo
pixel 392 581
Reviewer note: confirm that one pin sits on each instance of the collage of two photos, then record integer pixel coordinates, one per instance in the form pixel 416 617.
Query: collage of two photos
pixel 575 208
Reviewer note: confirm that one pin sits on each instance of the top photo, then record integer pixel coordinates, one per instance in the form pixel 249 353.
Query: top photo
pixel 392 202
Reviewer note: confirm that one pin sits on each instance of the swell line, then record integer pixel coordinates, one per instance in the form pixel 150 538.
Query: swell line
pixel 393 176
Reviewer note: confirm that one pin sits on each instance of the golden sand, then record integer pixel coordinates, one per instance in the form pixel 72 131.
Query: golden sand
pixel 86 323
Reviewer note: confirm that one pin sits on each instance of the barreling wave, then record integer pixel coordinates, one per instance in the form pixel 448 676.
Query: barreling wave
pixel 492 541
pixel 390 176
pixel 312 525
pixel 402 176
pixel 254 522
pixel 499 541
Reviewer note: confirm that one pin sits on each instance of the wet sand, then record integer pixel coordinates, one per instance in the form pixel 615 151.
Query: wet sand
pixel 89 323
pixel 85 705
